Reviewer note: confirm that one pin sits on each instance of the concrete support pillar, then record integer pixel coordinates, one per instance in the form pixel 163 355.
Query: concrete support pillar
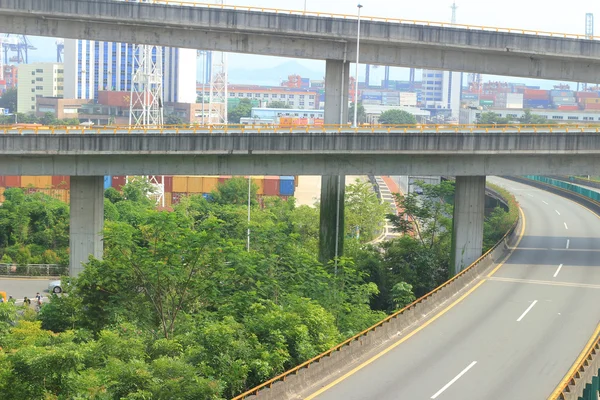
pixel 331 235
pixel 467 232
pixel 87 220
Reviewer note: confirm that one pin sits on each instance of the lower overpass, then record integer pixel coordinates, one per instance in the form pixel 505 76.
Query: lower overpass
pixel 458 151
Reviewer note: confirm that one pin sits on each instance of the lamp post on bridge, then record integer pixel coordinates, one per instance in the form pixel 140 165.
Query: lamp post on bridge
pixel 359 6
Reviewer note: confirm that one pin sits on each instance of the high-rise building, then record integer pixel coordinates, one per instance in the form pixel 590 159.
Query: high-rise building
pixel 39 79
pixel 92 65
pixel 441 90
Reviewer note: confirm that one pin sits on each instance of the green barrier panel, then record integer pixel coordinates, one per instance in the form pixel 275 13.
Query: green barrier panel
pixel 565 185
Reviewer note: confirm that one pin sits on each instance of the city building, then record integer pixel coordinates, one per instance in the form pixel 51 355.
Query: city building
pixel 10 78
pixel 112 108
pixel 39 79
pixel 388 98
pixel 441 90
pixel 297 98
pixel 92 66
pixel 373 111
pixel 471 115
pixel 274 115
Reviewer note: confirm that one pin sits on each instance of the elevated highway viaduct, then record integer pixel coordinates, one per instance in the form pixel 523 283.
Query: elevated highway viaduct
pixel 470 155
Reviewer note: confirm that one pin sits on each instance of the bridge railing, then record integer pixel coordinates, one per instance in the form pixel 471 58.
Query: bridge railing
pixel 374 19
pixel 308 129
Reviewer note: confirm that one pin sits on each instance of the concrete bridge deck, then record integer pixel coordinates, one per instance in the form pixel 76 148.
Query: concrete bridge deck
pixel 376 153
pixel 499 52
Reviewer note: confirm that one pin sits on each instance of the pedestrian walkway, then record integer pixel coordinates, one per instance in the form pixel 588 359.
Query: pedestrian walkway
pixel 387 188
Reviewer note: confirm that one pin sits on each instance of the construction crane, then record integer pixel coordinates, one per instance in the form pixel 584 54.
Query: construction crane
pixel 60 49
pixel 20 45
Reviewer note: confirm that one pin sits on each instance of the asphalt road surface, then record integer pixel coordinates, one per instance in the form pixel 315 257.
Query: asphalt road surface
pixel 516 335
pixel 18 288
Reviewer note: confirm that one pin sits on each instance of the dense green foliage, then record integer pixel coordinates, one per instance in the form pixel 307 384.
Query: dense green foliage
pixel 242 110
pixel 491 118
pixel 34 229
pixel 179 309
pixel 397 117
pixel 47 119
pixel 279 104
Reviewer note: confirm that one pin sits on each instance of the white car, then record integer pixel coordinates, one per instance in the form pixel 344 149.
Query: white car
pixel 55 287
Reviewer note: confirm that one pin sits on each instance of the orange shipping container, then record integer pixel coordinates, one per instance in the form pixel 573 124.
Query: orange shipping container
pixel 27 181
pixel 271 185
pixel 195 184
pixel 260 182
pixel 180 184
pixel 209 183
pixel 591 100
pixel 286 121
pixel 168 199
pixel 118 182
pixel 43 182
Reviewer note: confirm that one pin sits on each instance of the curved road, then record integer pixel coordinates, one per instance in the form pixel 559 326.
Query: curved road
pixel 517 334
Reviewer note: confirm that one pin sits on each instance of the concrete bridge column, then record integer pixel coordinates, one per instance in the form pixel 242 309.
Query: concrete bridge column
pixel 467 232
pixel 87 220
pixel 331 235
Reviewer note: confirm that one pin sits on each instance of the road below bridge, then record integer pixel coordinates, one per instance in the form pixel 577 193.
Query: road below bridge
pixel 513 337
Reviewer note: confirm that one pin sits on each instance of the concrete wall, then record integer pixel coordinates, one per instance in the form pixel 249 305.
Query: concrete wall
pixel 339 360
pixel 288 35
pixel 301 154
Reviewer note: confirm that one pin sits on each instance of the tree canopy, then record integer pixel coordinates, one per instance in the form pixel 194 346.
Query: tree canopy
pixel 361 115
pixel 397 117
pixel 242 110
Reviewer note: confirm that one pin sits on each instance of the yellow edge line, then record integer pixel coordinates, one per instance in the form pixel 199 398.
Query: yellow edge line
pixel 420 328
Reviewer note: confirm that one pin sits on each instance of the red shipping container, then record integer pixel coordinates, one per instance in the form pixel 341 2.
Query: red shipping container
pixel 271 185
pixel 570 108
pixel 118 182
pixel 168 181
pixel 114 98
pixel 61 182
pixel 587 95
pixel 2 181
pixel 12 181
pixel 224 178
pixel 588 106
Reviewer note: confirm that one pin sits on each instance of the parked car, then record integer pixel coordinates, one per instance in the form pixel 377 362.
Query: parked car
pixel 55 287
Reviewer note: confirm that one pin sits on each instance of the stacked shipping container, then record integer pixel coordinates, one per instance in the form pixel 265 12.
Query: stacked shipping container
pixel 175 187
pixel 535 98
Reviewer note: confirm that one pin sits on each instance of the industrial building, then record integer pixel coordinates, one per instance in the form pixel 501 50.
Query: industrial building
pixel 92 66
pixel 471 115
pixel 297 98
pixel 39 79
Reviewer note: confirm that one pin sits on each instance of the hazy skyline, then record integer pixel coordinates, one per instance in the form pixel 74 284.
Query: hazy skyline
pixel 531 15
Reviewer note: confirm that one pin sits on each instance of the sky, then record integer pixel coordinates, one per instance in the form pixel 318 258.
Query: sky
pixel 548 15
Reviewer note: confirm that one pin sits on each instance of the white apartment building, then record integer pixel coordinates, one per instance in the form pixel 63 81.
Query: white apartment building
pixel 441 90
pixel 39 79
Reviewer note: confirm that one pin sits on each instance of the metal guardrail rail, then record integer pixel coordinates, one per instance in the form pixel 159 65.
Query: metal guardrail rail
pixel 32 270
pixel 298 129
pixel 307 364
pixel 374 19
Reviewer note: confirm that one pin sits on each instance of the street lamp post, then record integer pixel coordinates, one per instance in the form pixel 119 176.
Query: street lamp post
pixel 304 5
pixel 359 6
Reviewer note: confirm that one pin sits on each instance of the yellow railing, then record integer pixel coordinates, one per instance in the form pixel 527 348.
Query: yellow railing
pixel 308 363
pixel 297 129
pixel 375 19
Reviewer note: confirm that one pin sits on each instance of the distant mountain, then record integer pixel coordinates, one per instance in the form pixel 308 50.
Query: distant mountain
pixel 273 75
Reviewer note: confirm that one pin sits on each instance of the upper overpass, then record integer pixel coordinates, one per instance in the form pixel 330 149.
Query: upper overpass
pixel 311 35
pixel 424 150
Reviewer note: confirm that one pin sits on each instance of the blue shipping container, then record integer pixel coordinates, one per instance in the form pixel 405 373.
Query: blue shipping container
pixel 207 196
pixel 286 186
pixel 107 182
pixel 470 96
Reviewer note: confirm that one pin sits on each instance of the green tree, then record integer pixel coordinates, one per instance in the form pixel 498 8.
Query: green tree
pixel 361 115
pixel 243 110
pixel 491 118
pixel 364 213
pixel 402 295
pixel 9 100
pixel 48 119
pixel 533 119
pixel 234 191
pixel 397 117
pixel 279 104
pixel 173 119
